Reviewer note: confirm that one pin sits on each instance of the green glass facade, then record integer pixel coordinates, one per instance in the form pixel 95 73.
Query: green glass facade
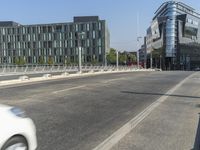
pixel 57 43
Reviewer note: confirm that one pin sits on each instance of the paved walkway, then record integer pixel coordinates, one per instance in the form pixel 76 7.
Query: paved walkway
pixel 174 125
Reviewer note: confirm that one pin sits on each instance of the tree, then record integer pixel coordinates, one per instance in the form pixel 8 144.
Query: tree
pixel 94 61
pixel 67 61
pixel 132 58
pixel 50 60
pixel 20 60
pixel 111 56
pixel 41 60
pixel 122 58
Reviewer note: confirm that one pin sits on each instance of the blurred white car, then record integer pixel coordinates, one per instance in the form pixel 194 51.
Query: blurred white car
pixel 17 131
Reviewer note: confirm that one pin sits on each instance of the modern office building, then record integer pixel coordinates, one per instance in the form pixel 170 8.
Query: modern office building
pixel 56 43
pixel 173 39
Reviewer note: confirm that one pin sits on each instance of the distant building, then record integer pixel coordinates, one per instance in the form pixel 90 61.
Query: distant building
pixel 173 39
pixel 58 41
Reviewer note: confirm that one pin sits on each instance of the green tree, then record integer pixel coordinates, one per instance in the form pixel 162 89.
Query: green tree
pixel 50 60
pixel 132 58
pixel 20 60
pixel 41 60
pixel 67 61
pixel 94 61
pixel 111 56
pixel 122 58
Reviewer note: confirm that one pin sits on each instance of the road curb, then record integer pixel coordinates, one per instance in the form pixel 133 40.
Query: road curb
pixel 45 78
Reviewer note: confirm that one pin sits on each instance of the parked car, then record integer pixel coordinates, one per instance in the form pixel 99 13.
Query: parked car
pixel 17 131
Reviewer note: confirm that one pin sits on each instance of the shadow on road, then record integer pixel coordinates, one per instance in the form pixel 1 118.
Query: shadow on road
pixel 197 138
pixel 160 94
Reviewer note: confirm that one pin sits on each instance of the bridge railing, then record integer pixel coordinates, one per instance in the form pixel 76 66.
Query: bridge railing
pixel 32 69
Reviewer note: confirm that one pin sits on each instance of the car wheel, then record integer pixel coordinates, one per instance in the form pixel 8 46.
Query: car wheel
pixel 16 143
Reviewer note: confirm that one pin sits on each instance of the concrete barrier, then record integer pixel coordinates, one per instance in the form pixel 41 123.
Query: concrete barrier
pixel 65 74
pixel 47 76
pixel 91 71
pixel 24 78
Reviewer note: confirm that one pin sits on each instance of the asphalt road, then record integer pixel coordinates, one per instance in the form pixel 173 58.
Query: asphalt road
pixel 79 113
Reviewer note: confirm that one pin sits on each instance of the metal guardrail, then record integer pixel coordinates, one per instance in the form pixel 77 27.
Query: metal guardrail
pixel 18 70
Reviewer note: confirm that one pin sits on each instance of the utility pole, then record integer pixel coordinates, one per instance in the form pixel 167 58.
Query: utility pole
pixel 80 51
pixel 160 62
pixel 138 55
pixel 117 59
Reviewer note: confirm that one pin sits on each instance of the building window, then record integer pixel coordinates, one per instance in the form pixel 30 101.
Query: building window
pixel 76 27
pixel 93 34
pixel 3 31
pixel 88 43
pixel 44 37
pixel 99 25
pixel 29 37
pixel 82 27
pixel 88 27
pixel 100 51
pixel 34 37
pixel 58 28
pixel 93 26
pixel 50 36
pixel 49 29
pixel 33 29
pixel 23 30
pixel 54 43
pixel 99 42
pixel 65 43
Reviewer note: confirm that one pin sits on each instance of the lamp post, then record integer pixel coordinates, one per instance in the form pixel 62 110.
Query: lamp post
pixel 80 36
pixel 117 59
pixel 160 62
pixel 138 56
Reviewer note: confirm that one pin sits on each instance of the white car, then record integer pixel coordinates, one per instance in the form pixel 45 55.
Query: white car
pixel 17 131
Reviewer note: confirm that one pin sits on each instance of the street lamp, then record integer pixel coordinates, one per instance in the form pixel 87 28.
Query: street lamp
pixel 160 62
pixel 80 36
pixel 117 59
pixel 138 59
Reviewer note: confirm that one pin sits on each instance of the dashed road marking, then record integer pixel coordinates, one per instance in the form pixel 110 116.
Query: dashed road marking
pixel 73 88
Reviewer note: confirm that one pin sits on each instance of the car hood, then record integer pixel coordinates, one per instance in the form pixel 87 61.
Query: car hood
pixel 4 107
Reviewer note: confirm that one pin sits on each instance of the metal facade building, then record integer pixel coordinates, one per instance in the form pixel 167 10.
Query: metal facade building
pixel 57 43
pixel 174 36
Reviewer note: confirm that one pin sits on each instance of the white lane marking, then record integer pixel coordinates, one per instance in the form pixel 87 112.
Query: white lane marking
pixel 111 80
pixel 124 130
pixel 73 88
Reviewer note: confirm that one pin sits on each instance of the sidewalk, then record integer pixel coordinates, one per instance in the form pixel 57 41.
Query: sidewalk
pixel 174 125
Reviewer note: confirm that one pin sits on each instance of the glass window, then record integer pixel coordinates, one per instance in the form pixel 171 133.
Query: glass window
pixel 65 43
pixel 29 37
pixel 54 43
pixel 50 36
pixel 76 27
pixel 99 25
pixel 88 27
pixel 99 42
pixel 3 31
pixel 34 37
pixel 93 26
pixel 99 50
pixel 88 43
pixel 93 35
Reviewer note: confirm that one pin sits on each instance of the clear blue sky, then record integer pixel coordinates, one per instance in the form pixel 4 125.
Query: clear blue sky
pixel 121 15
